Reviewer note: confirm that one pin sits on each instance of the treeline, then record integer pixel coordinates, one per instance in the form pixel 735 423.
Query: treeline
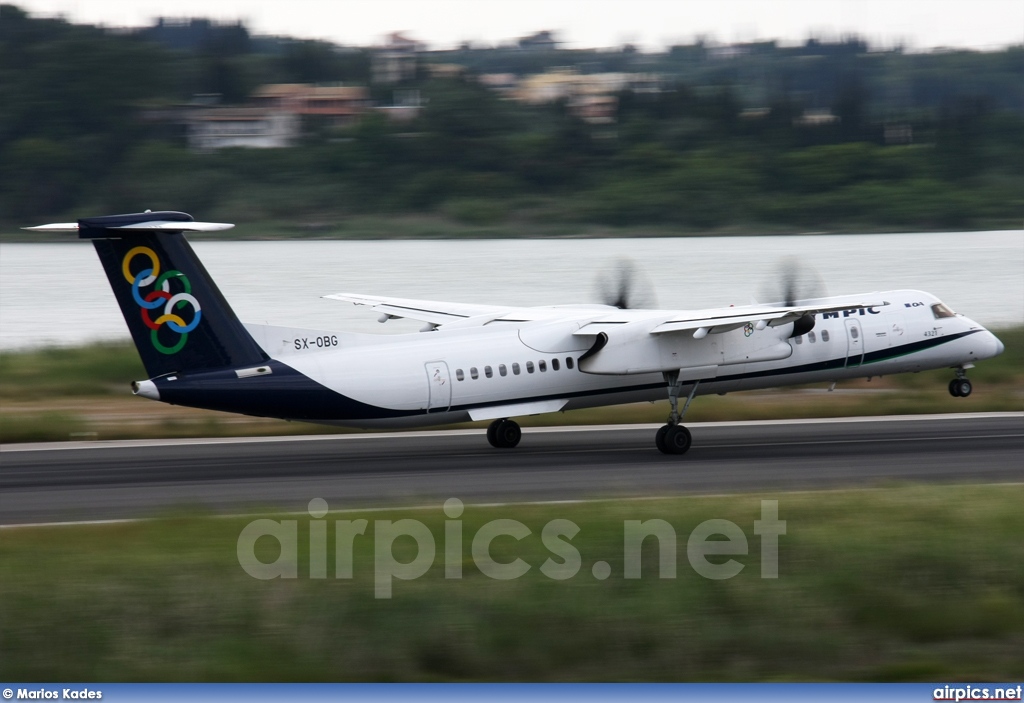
pixel 927 141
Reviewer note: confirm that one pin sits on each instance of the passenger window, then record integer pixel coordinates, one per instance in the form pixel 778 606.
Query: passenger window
pixel 487 372
pixel 502 371
pixel 824 335
pixel 459 376
pixel 799 340
pixel 554 365
pixel 810 337
pixel 542 365
pixel 529 367
pixel 473 373
pixel 515 369
pixel 854 333
pixel 568 362
pixel 940 311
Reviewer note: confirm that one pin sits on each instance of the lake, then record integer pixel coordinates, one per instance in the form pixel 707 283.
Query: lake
pixel 57 294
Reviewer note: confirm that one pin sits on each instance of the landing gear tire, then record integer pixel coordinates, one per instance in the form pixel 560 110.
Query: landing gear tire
pixel 962 386
pixel 659 438
pixel 492 433
pixel 504 434
pixel 673 439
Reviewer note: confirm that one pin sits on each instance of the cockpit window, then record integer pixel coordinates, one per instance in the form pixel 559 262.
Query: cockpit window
pixel 940 311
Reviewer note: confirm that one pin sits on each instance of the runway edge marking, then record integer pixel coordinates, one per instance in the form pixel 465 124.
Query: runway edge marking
pixel 199 441
pixel 502 504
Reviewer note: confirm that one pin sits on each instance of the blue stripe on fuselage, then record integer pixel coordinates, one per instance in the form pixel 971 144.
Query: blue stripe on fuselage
pixel 287 393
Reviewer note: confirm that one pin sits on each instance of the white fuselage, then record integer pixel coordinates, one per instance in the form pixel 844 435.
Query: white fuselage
pixel 505 368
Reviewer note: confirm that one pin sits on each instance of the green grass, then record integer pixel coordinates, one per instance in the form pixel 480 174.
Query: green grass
pixel 900 584
pixel 96 370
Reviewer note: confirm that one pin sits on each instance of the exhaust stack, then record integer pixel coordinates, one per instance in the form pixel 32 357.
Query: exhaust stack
pixel 147 389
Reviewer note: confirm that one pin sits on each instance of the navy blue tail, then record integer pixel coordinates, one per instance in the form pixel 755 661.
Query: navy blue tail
pixel 178 318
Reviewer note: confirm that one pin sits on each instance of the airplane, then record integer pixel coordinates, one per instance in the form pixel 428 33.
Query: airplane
pixel 493 362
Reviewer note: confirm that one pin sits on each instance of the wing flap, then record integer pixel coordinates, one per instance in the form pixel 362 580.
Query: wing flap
pixel 731 318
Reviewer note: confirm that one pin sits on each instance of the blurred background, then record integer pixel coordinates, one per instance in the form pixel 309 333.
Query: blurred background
pixel 464 124
pixel 454 127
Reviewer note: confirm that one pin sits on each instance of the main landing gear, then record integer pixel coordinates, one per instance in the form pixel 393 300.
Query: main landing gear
pixel 673 438
pixel 960 387
pixel 504 434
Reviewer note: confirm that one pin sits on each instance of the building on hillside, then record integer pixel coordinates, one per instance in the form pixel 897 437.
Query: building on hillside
pixel 250 127
pixel 816 117
pixel 340 105
pixel 595 109
pixel 280 96
pixel 592 97
pixel 898 133
pixel 445 70
pixel 405 106
pixel 547 87
pixel 541 41
pixel 395 61
pixel 504 84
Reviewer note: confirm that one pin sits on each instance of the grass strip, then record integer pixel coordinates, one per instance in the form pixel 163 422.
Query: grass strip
pixel 904 583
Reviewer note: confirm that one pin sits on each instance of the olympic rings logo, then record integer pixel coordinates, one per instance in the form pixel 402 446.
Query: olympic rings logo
pixel 161 296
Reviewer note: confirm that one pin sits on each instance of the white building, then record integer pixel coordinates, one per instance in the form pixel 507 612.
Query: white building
pixel 251 127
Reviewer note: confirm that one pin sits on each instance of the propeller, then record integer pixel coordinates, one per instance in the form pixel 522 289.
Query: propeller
pixel 792 281
pixel 622 284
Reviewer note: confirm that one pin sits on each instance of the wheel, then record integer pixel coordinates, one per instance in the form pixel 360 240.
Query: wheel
pixel 508 434
pixel 659 438
pixel 677 440
pixel 492 433
pixel 963 387
pixel 954 389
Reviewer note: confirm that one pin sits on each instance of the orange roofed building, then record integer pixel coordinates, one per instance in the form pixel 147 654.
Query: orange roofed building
pixel 341 104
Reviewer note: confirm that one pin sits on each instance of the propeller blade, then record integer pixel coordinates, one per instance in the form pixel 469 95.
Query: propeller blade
pixel 792 281
pixel 623 285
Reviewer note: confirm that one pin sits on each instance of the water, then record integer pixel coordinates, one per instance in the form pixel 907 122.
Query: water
pixel 57 294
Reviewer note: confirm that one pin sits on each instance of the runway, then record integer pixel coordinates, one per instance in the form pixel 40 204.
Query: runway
pixel 134 479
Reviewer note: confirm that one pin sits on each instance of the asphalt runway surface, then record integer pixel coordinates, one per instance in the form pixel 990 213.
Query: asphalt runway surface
pixel 135 479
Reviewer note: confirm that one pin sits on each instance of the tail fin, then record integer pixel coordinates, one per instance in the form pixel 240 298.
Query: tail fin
pixel 178 318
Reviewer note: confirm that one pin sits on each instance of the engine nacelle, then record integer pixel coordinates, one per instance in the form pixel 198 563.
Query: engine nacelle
pixel 633 349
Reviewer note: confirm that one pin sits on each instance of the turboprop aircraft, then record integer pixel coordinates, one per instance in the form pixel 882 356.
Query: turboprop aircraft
pixel 493 362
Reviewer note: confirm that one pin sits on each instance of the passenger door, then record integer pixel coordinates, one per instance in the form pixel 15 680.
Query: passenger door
pixel 854 343
pixel 439 382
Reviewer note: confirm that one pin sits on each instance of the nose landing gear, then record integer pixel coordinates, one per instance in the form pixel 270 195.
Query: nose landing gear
pixel 960 387
pixel 673 438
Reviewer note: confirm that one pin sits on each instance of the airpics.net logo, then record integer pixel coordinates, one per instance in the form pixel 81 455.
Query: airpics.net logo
pixel 712 547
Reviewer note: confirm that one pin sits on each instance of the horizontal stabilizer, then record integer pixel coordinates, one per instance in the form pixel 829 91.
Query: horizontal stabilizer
pixel 56 227
pixel 156 226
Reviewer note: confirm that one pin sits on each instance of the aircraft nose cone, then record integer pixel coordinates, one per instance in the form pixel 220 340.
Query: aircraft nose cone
pixel 999 345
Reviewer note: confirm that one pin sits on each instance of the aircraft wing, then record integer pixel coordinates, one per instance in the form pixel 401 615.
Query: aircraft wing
pixel 725 319
pixel 717 320
pixel 432 311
